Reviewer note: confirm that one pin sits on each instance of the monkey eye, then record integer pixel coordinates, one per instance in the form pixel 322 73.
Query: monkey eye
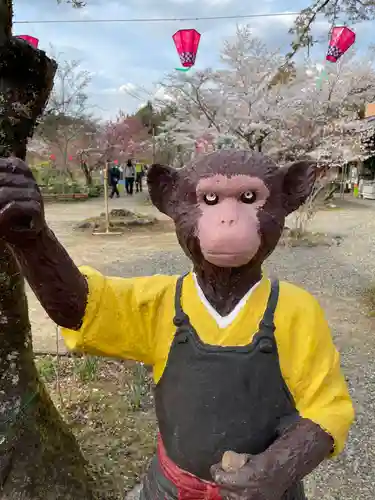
pixel 211 198
pixel 248 197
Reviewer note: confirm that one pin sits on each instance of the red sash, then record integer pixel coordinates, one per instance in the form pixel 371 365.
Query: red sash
pixel 189 487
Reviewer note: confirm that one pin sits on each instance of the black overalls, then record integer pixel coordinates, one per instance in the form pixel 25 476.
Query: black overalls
pixel 211 399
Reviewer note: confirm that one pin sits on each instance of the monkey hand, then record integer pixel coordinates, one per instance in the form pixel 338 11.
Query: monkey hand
pixel 245 477
pixel 21 203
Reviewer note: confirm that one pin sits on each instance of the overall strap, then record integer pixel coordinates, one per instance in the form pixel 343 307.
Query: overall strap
pixel 267 325
pixel 180 316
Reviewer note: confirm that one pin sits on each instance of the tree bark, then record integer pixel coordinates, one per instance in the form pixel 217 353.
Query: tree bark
pixel 39 457
pixel 87 172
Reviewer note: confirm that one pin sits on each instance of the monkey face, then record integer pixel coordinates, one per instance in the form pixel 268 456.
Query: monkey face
pixel 228 228
pixel 229 207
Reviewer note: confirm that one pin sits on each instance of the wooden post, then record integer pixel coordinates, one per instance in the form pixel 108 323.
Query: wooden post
pixel 153 144
pixel 106 208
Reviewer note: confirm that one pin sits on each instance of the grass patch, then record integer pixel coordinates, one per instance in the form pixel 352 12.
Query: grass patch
pixel 47 368
pixel 109 407
pixel 137 223
pixel 296 238
pixel 86 368
pixel 369 298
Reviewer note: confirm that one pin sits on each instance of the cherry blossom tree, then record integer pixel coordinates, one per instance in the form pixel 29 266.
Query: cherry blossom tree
pixel 118 139
pixel 244 105
pixel 236 105
pixel 124 137
pixel 67 119
pixel 316 120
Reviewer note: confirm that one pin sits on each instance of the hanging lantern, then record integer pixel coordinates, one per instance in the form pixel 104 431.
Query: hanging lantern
pixel 342 38
pixel 187 43
pixel 29 39
pixel 201 146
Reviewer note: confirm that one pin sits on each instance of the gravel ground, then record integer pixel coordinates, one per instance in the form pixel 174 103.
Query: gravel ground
pixel 337 275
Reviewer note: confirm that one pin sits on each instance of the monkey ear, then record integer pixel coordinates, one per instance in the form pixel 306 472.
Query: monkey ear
pixel 299 179
pixel 162 182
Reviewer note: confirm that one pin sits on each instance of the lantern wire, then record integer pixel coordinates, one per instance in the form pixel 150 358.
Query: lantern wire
pixel 157 20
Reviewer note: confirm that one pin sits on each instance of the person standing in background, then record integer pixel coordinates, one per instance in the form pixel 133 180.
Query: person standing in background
pixel 139 173
pixel 114 177
pixel 129 173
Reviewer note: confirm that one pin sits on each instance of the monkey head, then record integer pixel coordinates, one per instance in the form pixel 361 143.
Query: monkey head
pixel 229 207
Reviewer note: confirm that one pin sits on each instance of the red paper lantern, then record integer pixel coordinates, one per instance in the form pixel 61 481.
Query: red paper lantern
pixel 29 39
pixel 201 146
pixel 342 38
pixel 187 43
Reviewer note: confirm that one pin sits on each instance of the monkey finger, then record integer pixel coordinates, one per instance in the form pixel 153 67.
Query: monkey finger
pixel 9 194
pixel 16 166
pixel 232 461
pixel 230 495
pixel 231 480
pixel 20 216
pixel 215 469
pixel 15 180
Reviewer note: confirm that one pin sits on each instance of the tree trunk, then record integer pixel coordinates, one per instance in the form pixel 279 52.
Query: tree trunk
pixel 87 172
pixel 39 457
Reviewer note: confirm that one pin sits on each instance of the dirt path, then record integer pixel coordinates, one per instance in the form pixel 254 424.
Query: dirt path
pixel 337 275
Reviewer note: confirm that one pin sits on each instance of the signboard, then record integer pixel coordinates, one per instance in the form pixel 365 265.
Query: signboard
pixel 370 110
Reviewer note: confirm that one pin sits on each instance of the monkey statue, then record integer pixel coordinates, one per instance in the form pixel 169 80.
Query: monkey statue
pixel 249 393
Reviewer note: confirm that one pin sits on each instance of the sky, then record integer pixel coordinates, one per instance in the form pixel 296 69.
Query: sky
pixel 122 56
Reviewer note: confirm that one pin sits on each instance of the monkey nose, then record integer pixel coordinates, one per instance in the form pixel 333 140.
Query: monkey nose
pixel 229 222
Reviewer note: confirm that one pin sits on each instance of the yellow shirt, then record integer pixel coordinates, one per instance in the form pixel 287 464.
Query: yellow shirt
pixel 132 318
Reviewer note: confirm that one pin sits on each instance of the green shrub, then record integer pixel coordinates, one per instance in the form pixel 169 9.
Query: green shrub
pixel 86 368
pixel 63 187
pixel 47 368
pixel 95 191
pixel 369 298
pixel 138 387
pixel 36 173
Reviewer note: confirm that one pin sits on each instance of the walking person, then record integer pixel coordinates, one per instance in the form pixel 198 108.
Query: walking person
pixel 129 173
pixel 114 177
pixel 139 174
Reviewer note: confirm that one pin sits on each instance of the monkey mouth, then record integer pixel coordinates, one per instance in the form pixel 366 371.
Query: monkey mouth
pixel 227 259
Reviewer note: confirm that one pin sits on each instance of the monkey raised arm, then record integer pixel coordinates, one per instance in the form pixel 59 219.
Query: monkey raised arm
pixel 51 273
